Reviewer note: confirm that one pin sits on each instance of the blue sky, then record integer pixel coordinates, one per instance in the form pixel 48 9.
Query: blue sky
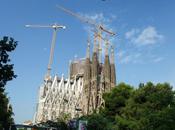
pixel 144 45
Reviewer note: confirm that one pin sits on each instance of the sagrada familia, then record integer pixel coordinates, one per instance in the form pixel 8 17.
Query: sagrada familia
pixel 81 93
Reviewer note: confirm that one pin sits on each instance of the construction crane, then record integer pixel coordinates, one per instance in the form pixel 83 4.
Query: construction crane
pixel 85 20
pixel 55 27
pixel 99 27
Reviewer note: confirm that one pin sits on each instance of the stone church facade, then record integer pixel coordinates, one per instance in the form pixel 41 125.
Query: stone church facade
pixel 81 93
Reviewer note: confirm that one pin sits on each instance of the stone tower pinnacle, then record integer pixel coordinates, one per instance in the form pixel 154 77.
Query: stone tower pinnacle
pixel 95 45
pixel 113 75
pixel 94 77
pixel 112 54
pixel 88 48
pixel 107 69
pixel 107 48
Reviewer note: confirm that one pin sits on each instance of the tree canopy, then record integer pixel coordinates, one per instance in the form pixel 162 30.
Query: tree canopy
pixel 146 107
pixel 7 45
pixel 151 107
pixel 6 70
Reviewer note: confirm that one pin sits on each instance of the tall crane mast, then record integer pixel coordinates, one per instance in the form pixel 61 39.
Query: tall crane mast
pixel 98 27
pixel 55 28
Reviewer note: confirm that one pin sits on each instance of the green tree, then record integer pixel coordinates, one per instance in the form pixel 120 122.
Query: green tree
pixel 59 124
pixel 151 107
pixel 6 74
pixel 96 122
pixel 116 100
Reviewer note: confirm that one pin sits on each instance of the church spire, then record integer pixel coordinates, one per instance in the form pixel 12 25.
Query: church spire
pixel 107 68
pixel 113 74
pixel 95 45
pixel 69 70
pixel 88 48
pixel 112 54
pixel 107 48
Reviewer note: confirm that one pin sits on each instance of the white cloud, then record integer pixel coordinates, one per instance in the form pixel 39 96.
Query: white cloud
pixel 147 36
pixel 121 53
pixel 125 57
pixel 131 57
pixel 131 34
pixel 98 18
pixel 137 52
pixel 158 59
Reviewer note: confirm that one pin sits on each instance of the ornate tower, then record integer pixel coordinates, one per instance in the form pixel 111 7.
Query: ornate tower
pixel 87 82
pixel 113 75
pixel 107 69
pixel 94 77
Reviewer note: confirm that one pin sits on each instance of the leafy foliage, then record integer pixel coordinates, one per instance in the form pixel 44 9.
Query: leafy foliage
pixel 5 112
pixel 116 100
pixel 6 74
pixel 6 70
pixel 96 122
pixel 59 124
pixel 149 107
